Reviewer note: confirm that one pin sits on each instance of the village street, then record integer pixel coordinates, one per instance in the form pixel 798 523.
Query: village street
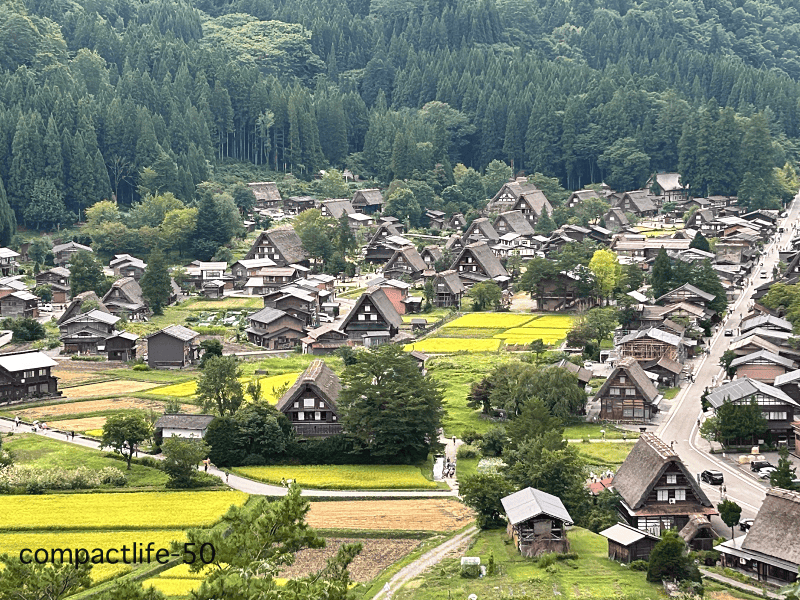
pixel 681 426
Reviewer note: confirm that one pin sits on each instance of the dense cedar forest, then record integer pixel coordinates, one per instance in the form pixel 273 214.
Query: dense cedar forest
pixel 128 96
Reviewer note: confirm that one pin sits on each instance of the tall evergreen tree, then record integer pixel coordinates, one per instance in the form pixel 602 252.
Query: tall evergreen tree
pixel 156 286
pixel 661 278
pixel 8 222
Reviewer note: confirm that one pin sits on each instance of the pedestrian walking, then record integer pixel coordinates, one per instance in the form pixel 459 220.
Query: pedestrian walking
pixel 227 474
pixel 73 436
pixel 16 421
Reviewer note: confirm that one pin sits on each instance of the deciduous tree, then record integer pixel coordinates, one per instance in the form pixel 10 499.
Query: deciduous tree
pixel 219 388
pixel 123 432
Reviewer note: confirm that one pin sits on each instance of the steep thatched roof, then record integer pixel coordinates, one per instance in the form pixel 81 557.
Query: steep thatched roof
pixel 776 530
pixel 320 378
pixel 643 467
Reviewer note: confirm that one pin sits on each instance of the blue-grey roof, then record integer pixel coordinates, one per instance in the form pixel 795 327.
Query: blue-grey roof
pixel 745 387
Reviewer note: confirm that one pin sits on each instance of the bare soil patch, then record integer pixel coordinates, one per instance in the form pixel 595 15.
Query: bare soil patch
pixel 108 388
pixel 75 408
pixel 80 425
pixel 404 515
pixel 75 377
pixel 375 556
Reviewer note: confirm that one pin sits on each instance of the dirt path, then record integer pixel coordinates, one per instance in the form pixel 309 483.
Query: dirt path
pixel 427 560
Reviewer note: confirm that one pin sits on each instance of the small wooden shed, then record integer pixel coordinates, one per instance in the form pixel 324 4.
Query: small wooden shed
pixel 627 544
pixel 537 522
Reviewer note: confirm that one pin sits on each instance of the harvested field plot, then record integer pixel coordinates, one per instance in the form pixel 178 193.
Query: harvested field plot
pixel 449 345
pixel 376 555
pixel 80 425
pixel 490 320
pixel 226 304
pixel 76 408
pixel 66 377
pixel 134 510
pixel 108 388
pixel 436 514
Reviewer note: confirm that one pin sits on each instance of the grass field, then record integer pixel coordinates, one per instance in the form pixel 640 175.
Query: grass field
pixel 605 454
pixel 591 575
pixel 490 320
pixel 38 451
pixel 457 373
pixel 343 477
pixel 13 543
pixel 225 304
pixel 116 511
pixel 451 345
pixel 592 431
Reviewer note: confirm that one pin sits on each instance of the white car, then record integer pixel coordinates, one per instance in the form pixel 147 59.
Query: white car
pixel 46 307
pixel 766 472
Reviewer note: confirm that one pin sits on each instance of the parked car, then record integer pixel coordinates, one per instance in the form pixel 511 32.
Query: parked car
pixel 712 477
pixel 588 364
pixel 763 274
pixel 766 472
pixel 728 332
pixel 46 307
pixel 757 465
pixel 746 524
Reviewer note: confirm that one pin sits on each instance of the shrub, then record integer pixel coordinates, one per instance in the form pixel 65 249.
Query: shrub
pixel 254 460
pixel 470 571
pixel 36 480
pixel 546 560
pixel 141 367
pixel 494 441
pixel 87 358
pixel 639 565
pixel 471 436
pixel 467 451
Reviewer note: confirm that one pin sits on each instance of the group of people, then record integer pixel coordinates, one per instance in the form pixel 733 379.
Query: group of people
pixel 449 469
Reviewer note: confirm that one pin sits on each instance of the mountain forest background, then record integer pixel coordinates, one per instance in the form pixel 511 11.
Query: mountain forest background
pixel 174 99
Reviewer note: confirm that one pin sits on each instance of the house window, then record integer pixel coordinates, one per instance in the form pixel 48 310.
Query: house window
pixel 638 413
pixel 672 479
pixel 308 403
pixel 774 416
pixel 680 495
pixel 301 416
pixel 630 391
pixel 622 378
pixel 373 317
pixel 321 404
pixel 366 308
pixel 615 391
pixel 663 495
pixel 627 412
pixel 362 317
pixel 297 405
pixel 317 416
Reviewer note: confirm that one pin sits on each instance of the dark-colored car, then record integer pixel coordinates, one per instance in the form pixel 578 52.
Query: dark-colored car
pixel 746 524
pixel 757 465
pixel 712 477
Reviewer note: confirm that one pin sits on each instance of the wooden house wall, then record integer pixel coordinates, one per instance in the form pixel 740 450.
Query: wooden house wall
pixel 761 372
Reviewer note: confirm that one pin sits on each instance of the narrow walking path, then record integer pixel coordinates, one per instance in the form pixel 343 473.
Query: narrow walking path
pixel 237 482
pixel 427 560
pixel 751 589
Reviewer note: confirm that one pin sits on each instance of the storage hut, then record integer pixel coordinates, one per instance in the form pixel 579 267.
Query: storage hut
pixel 537 522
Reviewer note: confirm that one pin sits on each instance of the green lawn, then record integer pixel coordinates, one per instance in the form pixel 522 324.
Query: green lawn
pixel 604 454
pixel 591 431
pixel 457 373
pixel 670 393
pixel 191 308
pixel 591 575
pixel 29 449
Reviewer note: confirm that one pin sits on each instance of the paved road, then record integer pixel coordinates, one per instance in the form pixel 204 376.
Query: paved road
pixel 249 486
pixel 681 425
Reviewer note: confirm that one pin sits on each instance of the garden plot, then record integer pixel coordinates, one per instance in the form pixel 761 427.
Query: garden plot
pixel 342 477
pixel 375 556
pixel 66 377
pixel 435 514
pixel 57 411
pixel 108 388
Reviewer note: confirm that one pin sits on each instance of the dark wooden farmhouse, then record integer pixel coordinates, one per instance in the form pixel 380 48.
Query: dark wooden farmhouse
pixel 372 314
pixel 777 407
pixel 652 344
pixel 627 544
pixel 477 263
pixel 87 333
pixel 282 245
pixel 657 491
pixel 405 262
pixel 310 404
pixel 121 345
pixel 628 394
pixel 26 375
pixel 448 288
pixel 173 347
pixel 18 305
pixel 62 253
pixel 763 366
pixel 58 280
pixel 267 195
pixel 125 298
pixel 274 329
pixel 368 201
pixel 770 551
pixel 324 340
pixel 537 522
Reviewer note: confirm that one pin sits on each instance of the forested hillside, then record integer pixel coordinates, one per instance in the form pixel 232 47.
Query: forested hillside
pixel 125 96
